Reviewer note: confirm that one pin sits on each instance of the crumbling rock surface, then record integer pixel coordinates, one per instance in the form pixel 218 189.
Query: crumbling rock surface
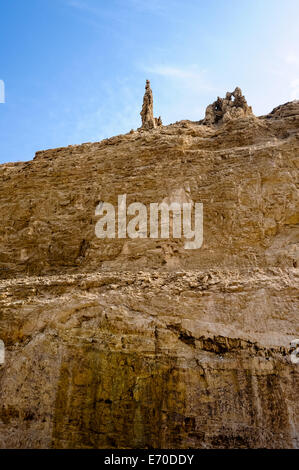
pixel 122 343
pixel 233 106
pixel 284 110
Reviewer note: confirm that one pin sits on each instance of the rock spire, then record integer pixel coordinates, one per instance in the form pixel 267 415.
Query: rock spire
pixel 147 112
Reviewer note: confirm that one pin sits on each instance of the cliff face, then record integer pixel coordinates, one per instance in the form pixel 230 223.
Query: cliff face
pixel 244 172
pixel 141 343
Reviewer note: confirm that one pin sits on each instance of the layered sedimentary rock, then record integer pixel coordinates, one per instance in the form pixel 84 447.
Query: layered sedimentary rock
pixel 123 343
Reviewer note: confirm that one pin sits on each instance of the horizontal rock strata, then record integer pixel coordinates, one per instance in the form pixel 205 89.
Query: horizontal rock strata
pixel 122 343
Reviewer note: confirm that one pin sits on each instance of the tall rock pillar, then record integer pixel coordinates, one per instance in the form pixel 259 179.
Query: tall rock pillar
pixel 147 112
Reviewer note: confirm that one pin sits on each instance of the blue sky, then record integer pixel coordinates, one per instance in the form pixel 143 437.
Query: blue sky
pixel 75 70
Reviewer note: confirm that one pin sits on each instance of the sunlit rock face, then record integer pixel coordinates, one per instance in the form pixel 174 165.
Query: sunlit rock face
pixel 147 112
pixel 233 106
pixel 125 343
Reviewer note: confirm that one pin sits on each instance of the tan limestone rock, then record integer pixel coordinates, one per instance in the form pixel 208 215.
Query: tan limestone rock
pixel 233 106
pixel 125 343
pixel 147 112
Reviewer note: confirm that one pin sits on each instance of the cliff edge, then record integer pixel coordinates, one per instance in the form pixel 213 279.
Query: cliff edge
pixel 140 343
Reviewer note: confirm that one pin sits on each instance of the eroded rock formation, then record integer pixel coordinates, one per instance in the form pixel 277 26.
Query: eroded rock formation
pixel 147 112
pixel 233 106
pixel 137 342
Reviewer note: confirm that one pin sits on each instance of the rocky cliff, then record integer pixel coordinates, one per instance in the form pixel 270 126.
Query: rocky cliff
pixel 123 343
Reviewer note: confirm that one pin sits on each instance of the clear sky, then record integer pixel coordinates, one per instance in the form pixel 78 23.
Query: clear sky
pixel 75 70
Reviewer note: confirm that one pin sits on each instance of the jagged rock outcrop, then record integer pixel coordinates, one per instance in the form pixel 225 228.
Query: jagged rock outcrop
pixel 147 112
pixel 124 343
pixel 233 106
